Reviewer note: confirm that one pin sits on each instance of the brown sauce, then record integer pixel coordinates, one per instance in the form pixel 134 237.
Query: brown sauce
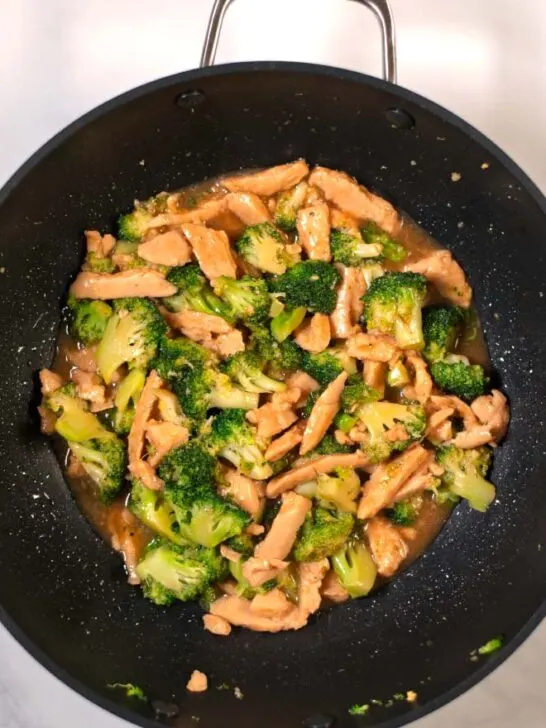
pixel 431 517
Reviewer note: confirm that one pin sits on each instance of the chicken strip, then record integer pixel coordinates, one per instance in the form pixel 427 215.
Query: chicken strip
pixel 127 537
pixel 272 604
pixel 387 479
pixel 100 245
pixel 348 307
pixel 372 346
pixel 354 199
pixel 170 248
pixel 387 545
pixel 276 415
pixel 164 437
pixel 309 471
pixel 247 493
pixel 89 386
pixel 196 325
pixel 314 335
pixel 138 283
pixel 286 442
pixel 446 274
pixel 139 468
pixel 449 401
pixel 281 536
pixel 375 375
pixel 226 344
pixel 212 250
pixel 198 682
pixel 313 224
pixel 322 415
pixel 421 389
pixel 50 381
pixel 248 208
pixel 216 625
pixel 332 589
pixel 492 411
pixel 269 181
pixel 199 216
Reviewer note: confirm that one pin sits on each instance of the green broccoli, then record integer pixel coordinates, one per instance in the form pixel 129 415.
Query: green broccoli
pixel 263 247
pixel 134 226
pixel 127 395
pixel 349 249
pixel 248 298
pixel 282 356
pixel 310 284
pixel 126 255
pixel 152 508
pixel 323 533
pixel 380 417
pixel 175 357
pixel 355 568
pixel 243 588
pixel 246 368
pixel 98 263
pixel 329 446
pixel 393 306
pixel 170 572
pixel 442 326
pixel 466 381
pixel 194 293
pixel 131 336
pixel 288 205
pixel 340 489
pixel 328 365
pixel 356 394
pixel 465 474
pixel 243 544
pixel 236 440
pixel 101 454
pixel 88 319
pixel 398 375
pixel 403 513
pixel 286 322
pixel 393 251
pixel 310 403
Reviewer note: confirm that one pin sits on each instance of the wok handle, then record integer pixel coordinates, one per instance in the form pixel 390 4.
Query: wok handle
pixel 380 8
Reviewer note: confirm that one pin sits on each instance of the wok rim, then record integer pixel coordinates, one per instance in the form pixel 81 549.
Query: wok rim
pixel 192 75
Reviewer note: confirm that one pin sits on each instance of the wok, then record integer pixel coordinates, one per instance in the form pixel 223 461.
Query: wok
pixel 63 593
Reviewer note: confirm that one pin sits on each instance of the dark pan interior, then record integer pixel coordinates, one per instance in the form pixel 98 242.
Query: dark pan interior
pixel 63 592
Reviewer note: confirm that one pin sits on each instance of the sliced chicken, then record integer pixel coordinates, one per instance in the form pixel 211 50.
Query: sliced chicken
pixel 475 437
pixel 138 283
pixel 198 682
pixel 212 250
pixel 313 224
pixel 269 181
pixel 248 208
pixel 196 325
pixel 216 625
pixel 332 589
pixel 83 358
pixel 443 401
pixel 281 536
pixel 372 346
pixel 492 411
pixel 127 537
pixel 226 344
pixel 309 471
pixel 272 604
pixel 89 386
pixel 139 468
pixel 286 442
pixel 387 545
pixel 375 375
pixel 314 335
pixel 354 199
pixel 436 425
pixel 164 437
pixel 247 493
pixel 276 415
pixel 199 216
pixel 343 221
pixel 421 389
pixel 50 381
pixel 446 274
pixel 303 382
pixel 322 415
pixel 387 479
pixel 170 248
pixel 348 307
pixel 422 479
pixel 99 245
pixel 258 571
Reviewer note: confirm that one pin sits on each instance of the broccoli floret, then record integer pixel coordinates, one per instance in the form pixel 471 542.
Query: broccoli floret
pixel 310 403
pixel 203 388
pixel 176 357
pixel 236 440
pixel 398 375
pixel 323 533
pixel 286 322
pixel 393 251
pixel 393 306
pixel 248 298
pixel 340 489
pixel 243 588
pixel 355 568
pixel 187 465
pixel 465 474
pixel 466 381
pixel 136 224
pixel 127 395
pixel 283 356
pixel 194 293
pixel 349 249
pixel 327 365
pixel 288 205
pixel 170 572
pixel 131 336
pixel 403 513
pixel 151 507
pixel 88 319
pixel 379 417
pixel 98 263
pixel 329 446
pixel 310 284
pixel 126 256
pixel 246 368
pixel 242 544
pixel 263 247
pixel 356 394
pixel 442 326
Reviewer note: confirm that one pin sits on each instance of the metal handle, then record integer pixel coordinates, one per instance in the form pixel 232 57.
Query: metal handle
pixel 380 9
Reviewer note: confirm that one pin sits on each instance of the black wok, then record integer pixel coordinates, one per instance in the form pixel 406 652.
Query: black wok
pixel 63 593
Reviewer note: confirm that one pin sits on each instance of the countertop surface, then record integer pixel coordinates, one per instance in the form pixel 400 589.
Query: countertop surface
pixel 483 60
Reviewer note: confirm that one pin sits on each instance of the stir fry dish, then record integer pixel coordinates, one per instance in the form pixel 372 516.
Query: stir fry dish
pixel 272 391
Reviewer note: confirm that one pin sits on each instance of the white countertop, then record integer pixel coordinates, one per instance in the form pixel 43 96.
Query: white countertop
pixel 483 59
